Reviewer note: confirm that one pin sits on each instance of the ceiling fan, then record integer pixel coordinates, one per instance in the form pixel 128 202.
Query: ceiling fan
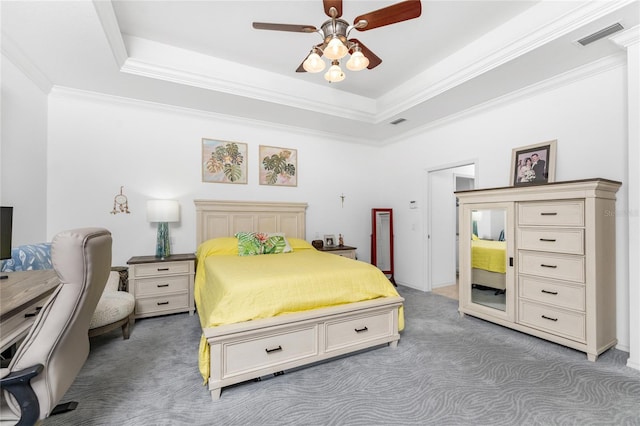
pixel 335 33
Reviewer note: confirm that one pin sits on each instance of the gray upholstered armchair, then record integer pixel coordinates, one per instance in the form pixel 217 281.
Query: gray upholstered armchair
pixel 50 357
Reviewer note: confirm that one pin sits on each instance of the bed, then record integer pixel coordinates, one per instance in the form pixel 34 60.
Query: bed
pixel 488 263
pixel 244 337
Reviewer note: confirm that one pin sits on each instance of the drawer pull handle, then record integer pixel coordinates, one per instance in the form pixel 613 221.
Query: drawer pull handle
pixel 548 240
pixel 361 330
pixel 162 269
pixel 548 266
pixel 31 314
pixel 549 292
pixel 162 303
pixel 549 318
pixel 548 214
pixel 163 285
pixel 269 351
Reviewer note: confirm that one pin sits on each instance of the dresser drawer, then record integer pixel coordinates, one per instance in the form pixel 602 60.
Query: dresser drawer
pixel 158 305
pixel 271 350
pixel 554 320
pixel 557 266
pixel 161 285
pixel 552 292
pixel 553 213
pixel 553 240
pixel 340 334
pixel 161 268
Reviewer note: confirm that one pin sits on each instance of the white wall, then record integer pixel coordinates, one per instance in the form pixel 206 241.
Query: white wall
pixel 587 118
pixel 97 144
pixel 23 154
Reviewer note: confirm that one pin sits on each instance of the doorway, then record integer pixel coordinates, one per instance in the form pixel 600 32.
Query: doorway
pixel 442 224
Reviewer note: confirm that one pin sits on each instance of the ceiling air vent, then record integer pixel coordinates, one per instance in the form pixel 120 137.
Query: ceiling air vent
pixel 600 34
pixel 398 121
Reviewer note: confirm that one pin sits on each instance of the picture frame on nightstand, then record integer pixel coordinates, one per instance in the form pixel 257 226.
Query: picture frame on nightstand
pixel 330 241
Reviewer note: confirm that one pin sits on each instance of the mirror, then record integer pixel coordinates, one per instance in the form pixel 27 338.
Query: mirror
pixel 489 257
pixel 382 241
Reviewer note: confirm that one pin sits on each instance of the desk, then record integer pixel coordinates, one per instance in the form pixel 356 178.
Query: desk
pixel 22 295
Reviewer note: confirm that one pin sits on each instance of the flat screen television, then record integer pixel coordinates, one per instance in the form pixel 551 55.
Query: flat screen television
pixel 6 225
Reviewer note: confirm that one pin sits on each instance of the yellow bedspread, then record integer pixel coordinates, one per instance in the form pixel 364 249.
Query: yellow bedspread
pixel 231 289
pixel 489 255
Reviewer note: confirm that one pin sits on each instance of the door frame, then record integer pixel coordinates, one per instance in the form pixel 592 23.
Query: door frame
pixel 427 249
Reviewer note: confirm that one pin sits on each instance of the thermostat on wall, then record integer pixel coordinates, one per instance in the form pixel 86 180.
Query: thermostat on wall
pixel 413 204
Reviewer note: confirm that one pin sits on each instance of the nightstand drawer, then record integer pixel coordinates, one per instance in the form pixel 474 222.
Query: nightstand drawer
pixel 569 241
pixel 557 266
pixel 160 304
pixel 560 213
pixel 164 268
pixel 554 320
pixel 341 334
pixel 270 350
pixel 161 285
pixel 552 292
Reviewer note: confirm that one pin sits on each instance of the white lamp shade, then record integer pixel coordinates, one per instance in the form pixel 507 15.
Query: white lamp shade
pixel 357 61
pixel 334 74
pixel 335 49
pixel 163 211
pixel 313 63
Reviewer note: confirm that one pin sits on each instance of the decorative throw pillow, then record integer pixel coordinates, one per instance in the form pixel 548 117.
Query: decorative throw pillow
pixel 256 243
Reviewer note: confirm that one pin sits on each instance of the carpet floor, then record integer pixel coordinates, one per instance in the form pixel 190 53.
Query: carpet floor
pixel 446 370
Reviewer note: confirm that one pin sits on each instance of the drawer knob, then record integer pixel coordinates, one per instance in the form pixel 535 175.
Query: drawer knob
pixel 270 351
pixel 548 240
pixel 361 330
pixel 549 318
pixel 162 303
pixel 549 266
pixel 548 214
pixel 549 292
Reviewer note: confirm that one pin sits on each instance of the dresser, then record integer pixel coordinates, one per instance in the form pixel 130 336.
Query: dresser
pixel 557 242
pixel 344 251
pixel 162 286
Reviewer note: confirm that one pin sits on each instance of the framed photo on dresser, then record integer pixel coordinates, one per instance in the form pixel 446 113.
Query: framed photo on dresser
pixel 533 164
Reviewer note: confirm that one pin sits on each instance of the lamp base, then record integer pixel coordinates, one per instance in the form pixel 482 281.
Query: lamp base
pixel 163 248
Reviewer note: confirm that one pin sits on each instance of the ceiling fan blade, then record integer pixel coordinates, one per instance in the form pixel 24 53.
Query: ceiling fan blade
pixel 319 52
pixel 284 27
pixel 337 4
pixel 374 60
pixel 398 12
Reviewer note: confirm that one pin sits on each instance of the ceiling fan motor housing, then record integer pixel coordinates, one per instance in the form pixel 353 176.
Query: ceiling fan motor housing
pixel 337 27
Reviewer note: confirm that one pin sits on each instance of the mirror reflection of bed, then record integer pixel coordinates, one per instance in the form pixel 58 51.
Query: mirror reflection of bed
pixel 488 258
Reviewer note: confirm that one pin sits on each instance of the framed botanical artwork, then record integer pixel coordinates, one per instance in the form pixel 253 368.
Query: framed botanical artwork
pixel 533 164
pixel 224 161
pixel 329 240
pixel 278 166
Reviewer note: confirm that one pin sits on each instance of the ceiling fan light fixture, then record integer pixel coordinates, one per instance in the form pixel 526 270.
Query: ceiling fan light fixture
pixel 334 74
pixel 335 49
pixel 313 63
pixel 357 61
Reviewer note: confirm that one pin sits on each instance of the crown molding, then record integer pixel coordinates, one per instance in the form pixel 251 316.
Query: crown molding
pixel 14 54
pixel 555 82
pixel 627 38
pixel 472 62
pixel 84 95
pixel 109 23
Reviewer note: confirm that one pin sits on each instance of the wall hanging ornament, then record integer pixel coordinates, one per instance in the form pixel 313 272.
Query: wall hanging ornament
pixel 120 203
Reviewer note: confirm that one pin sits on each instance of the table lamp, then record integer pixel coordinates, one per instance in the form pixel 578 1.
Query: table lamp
pixel 163 212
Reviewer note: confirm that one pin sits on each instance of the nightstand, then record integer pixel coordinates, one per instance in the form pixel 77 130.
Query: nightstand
pixel 344 251
pixel 162 286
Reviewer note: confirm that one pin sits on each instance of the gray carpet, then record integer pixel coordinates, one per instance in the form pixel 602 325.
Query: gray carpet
pixel 447 370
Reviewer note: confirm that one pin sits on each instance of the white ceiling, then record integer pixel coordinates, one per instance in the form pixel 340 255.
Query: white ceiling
pixel 205 55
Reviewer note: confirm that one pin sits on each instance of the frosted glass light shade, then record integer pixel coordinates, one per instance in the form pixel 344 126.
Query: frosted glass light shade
pixel 335 49
pixel 313 63
pixel 357 61
pixel 163 211
pixel 334 74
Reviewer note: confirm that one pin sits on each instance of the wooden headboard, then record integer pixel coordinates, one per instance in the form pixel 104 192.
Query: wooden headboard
pixel 224 218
